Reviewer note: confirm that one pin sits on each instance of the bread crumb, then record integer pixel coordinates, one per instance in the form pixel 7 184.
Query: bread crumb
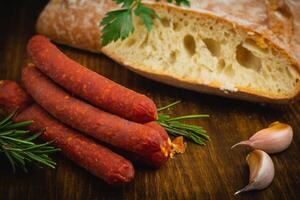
pixel 227 87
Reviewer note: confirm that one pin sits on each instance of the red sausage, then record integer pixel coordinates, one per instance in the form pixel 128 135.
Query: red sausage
pixel 127 135
pixel 13 97
pixel 95 158
pixel 158 128
pixel 89 85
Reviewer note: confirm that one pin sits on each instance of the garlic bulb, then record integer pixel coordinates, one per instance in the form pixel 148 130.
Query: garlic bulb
pixel 261 171
pixel 276 138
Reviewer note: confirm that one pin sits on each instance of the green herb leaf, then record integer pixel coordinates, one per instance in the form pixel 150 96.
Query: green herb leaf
pixel 146 14
pixel 183 2
pixel 175 127
pixel 116 25
pixel 18 146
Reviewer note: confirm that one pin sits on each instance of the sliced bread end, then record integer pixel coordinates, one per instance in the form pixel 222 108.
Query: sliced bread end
pixel 200 51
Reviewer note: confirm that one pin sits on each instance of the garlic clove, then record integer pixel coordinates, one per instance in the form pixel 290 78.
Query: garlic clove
pixel 274 139
pixel 261 171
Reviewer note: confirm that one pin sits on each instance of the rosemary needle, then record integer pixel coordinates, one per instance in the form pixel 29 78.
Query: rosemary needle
pixel 175 127
pixel 18 146
pixel 168 106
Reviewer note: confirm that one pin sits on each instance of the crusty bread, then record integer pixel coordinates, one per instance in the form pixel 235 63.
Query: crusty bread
pixel 243 49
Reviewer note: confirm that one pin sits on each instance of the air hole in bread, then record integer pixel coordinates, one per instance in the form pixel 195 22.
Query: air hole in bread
pixel 173 57
pixel 252 46
pixel 226 35
pixel 165 22
pixel 229 71
pixel 296 80
pixel 268 68
pixel 247 59
pixel 213 46
pixel 221 65
pixel 130 42
pixel 281 70
pixel 176 26
pixel 289 72
pixel 189 44
pixel 145 41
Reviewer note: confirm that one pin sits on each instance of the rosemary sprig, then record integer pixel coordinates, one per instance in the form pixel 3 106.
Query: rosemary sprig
pixel 18 146
pixel 118 24
pixel 175 127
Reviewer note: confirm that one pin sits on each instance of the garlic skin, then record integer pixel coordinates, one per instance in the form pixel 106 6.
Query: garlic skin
pixel 274 139
pixel 261 171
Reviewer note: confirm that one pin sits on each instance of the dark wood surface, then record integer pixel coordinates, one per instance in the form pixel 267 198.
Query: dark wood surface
pixel 203 172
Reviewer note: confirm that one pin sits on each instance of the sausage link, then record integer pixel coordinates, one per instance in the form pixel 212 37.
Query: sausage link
pixel 158 128
pixel 89 85
pixel 95 158
pixel 98 160
pixel 127 135
pixel 13 97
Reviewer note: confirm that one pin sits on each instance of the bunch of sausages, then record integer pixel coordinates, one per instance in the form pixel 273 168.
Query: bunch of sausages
pixel 67 100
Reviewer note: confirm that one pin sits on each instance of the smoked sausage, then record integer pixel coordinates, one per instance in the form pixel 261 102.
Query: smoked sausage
pixel 89 85
pixel 13 97
pixel 95 158
pixel 142 140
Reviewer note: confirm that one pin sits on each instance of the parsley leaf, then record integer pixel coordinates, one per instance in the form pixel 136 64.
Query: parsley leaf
pixel 183 2
pixel 146 14
pixel 116 25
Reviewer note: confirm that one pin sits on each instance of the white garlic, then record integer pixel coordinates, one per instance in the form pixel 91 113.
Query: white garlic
pixel 261 171
pixel 276 138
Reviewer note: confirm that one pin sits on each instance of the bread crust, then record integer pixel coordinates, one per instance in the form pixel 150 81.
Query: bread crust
pixel 260 31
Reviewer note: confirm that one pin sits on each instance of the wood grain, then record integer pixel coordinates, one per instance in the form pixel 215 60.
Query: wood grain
pixel 203 172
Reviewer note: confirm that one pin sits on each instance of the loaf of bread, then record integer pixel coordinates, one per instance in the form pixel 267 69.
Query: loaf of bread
pixel 247 49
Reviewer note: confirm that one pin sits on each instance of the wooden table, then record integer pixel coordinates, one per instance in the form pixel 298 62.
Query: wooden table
pixel 203 172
